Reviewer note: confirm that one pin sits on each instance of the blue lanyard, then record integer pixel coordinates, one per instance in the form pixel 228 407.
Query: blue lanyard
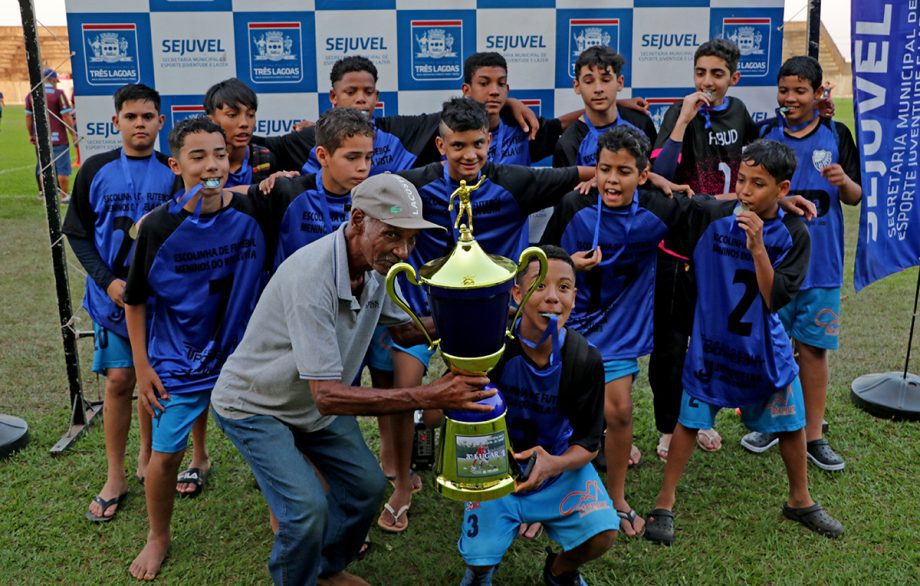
pixel 551 330
pixel 706 111
pixel 183 198
pixel 781 115
pixel 323 204
pixel 633 208
pixel 129 178
pixel 594 130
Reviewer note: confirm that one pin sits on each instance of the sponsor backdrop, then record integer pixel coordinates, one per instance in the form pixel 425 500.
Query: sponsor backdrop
pixel 285 48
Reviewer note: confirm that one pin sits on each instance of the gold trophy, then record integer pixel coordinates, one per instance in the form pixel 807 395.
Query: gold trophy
pixel 469 293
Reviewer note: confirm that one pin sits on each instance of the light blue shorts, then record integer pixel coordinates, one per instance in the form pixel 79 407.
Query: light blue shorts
pixel 420 352
pixel 60 161
pixel 573 508
pixel 813 317
pixel 781 412
pixel 379 355
pixel 172 426
pixel 618 368
pixel 110 350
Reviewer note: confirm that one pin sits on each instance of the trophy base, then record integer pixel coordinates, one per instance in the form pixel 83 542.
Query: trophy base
pixel 473 364
pixel 459 492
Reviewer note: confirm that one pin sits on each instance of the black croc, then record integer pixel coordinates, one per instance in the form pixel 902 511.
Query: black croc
pixel 815 518
pixel 659 526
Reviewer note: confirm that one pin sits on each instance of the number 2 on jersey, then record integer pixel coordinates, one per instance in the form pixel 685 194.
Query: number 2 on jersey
pixel 735 324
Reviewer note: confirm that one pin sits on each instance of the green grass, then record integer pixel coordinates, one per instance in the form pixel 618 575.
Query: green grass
pixel 729 526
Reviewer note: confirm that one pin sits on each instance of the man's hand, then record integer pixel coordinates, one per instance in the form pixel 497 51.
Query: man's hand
pixel 460 391
pixel 525 117
pixel 545 467
pixel 150 391
pixel 638 104
pixel 799 206
pixel 585 260
pixel 585 187
pixel 666 187
pixel 266 185
pixel 753 229
pixel 116 292
pixel 304 124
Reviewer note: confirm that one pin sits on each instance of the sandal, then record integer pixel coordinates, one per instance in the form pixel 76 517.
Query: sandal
pixel 195 476
pixel 395 527
pixel 816 519
pixel 659 526
pixel 709 440
pixel 664 444
pixel 630 517
pixel 106 505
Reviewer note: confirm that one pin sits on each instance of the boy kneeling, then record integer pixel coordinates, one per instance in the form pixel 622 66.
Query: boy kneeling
pixel 553 384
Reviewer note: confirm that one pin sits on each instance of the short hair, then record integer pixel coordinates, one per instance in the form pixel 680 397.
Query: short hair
pixel 777 158
pixel 803 67
pixel 721 48
pixel 351 64
pixel 463 114
pixel 628 138
pixel 552 252
pixel 338 124
pixel 135 91
pixel 602 57
pixel 191 126
pixel 231 93
pixel 482 59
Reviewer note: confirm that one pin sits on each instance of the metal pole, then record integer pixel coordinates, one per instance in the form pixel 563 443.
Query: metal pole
pixel 81 411
pixel 813 33
pixel 913 321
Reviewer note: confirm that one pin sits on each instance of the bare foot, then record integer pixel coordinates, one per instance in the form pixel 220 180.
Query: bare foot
pixel 635 456
pixel 341 579
pixel 147 563
pixel 110 491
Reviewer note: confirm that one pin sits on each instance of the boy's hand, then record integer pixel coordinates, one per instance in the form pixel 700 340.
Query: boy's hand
pixel 835 174
pixel 753 229
pixel 585 187
pixel 530 531
pixel 826 103
pixel 666 187
pixel 304 124
pixel 267 184
pixel 150 391
pixel 545 467
pixel 525 117
pixel 586 260
pixel 116 292
pixel 637 103
pixel 692 105
pixel 798 205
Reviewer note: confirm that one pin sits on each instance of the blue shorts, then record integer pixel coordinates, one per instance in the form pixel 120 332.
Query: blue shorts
pixel 61 161
pixel 420 352
pixel 110 350
pixel 618 368
pixel 379 355
pixel 813 317
pixel 781 412
pixel 572 509
pixel 172 426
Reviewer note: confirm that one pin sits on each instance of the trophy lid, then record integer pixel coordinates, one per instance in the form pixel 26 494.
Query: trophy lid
pixel 468 266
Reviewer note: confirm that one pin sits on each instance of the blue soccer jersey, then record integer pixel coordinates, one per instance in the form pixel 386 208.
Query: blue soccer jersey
pixel 500 209
pixel 200 278
pixel 739 353
pixel 828 143
pixel 111 193
pixel 614 303
pixel 510 145
pixel 578 144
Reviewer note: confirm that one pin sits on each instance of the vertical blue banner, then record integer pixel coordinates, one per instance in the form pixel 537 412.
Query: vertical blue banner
pixel 886 96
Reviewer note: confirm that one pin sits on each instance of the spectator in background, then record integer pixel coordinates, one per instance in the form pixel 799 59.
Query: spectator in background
pixel 60 119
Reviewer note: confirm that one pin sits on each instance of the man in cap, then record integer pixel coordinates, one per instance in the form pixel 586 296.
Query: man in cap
pixel 61 122
pixel 287 391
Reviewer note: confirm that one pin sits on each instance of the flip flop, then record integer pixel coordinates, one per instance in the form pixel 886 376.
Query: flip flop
pixel 416 488
pixel 630 517
pixel 816 519
pixel 633 450
pixel 664 445
pixel 106 505
pixel 659 526
pixel 195 476
pixel 395 527
pixel 709 440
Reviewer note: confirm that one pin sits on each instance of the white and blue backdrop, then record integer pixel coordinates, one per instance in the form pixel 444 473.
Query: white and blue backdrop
pixel 285 48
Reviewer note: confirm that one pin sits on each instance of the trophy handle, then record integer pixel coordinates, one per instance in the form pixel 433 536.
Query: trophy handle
pixel 402 267
pixel 527 256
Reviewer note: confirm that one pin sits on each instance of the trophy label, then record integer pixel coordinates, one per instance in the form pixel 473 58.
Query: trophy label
pixel 481 456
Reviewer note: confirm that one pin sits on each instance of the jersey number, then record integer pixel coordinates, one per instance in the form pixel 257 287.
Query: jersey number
pixel 121 264
pixel 749 280
pixel 473 521
pixel 727 173
pixel 222 288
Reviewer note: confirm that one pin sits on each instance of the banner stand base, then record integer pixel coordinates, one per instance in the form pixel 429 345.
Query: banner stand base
pixel 79 423
pixel 14 435
pixel 890 395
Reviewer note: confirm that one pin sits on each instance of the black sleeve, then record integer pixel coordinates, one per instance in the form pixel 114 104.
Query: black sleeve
pixel 80 220
pixel 153 232
pixel 545 142
pixel 667 125
pixel 85 251
pixel 263 163
pixel 697 213
pixel 566 152
pixel 563 213
pixel 581 391
pixel 542 187
pixel 670 210
pixel 789 274
pixel 751 131
pixel 291 150
pixel 416 133
pixel 849 156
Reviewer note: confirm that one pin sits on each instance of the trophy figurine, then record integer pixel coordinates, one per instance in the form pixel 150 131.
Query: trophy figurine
pixel 469 293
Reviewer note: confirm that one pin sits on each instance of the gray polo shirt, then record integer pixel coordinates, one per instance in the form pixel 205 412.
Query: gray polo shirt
pixel 307 325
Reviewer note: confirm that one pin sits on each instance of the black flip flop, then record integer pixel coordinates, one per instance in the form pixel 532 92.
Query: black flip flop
pixel 106 505
pixel 816 519
pixel 630 517
pixel 659 526
pixel 195 476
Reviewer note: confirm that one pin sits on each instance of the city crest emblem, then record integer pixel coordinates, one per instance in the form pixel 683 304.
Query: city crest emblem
pixel 111 54
pixel 752 35
pixel 585 33
pixel 275 52
pixel 821 158
pixel 437 46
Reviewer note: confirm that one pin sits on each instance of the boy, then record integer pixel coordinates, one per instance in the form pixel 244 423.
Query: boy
pixel 751 258
pixel 197 265
pixel 61 123
pixel 613 237
pixel 232 105
pixel 827 174
pixel 563 430
pixel 699 143
pixel 598 79
pixel 111 193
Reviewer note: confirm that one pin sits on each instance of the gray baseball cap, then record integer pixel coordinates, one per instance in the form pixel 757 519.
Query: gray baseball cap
pixel 392 200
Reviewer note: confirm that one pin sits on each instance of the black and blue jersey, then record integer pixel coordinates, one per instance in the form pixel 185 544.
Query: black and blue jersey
pixel 258 164
pixel 500 209
pixel 110 194
pixel 200 278
pixel 511 145
pixel 828 143
pixel 614 304
pixel 739 353
pixel 578 144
